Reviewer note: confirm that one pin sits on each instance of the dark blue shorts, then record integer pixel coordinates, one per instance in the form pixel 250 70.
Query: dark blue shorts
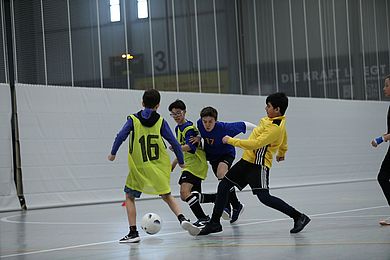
pixel 132 193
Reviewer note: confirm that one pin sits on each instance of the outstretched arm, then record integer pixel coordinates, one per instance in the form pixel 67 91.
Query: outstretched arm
pixel 377 141
pixel 120 138
pixel 266 137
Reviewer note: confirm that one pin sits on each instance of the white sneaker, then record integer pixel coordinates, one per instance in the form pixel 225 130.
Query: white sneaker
pixel 385 222
pixel 132 237
pixel 192 230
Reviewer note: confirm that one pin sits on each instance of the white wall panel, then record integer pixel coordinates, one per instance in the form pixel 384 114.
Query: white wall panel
pixel 8 198
pixel 67 133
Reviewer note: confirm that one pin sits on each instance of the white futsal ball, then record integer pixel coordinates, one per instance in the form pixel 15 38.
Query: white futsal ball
pixel 151 223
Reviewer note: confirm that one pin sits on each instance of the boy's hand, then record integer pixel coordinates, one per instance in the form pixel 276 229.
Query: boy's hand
pixel 279 158
pixel 111 157
pixel 194 139
pixel 182 165
pixel 225 139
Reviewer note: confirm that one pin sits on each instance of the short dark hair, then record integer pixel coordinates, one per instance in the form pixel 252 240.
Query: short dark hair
pixel 151 98
pixel 177 104
pixel 209 111
pixel 387 77
pixel 279 100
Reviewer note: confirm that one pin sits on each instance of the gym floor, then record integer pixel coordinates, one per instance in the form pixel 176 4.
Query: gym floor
pixel 344 226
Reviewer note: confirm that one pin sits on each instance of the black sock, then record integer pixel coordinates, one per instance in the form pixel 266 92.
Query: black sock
pixel 181 217
pixel 222 198
pixel 133 228
pixel 209 197
pixel 206 197
pixel 194 204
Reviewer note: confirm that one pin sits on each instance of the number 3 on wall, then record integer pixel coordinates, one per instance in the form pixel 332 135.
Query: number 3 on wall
pixel 150 150
pixel 161 64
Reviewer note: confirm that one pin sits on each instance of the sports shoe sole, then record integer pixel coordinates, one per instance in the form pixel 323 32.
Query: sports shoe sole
pixel 134 240
pixel 225 215
pixel 384 223
pixel 192 230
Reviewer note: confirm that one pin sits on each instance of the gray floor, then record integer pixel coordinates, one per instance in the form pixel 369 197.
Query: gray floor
pixel 344 226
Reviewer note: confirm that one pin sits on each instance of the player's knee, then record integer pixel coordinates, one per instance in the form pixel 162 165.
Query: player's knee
pixel 184 194
pixel 182 197
pixel 263 196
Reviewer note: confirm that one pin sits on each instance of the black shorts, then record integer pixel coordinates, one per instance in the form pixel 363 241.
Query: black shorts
pixel 228 159
pixel 188 177
pixel 244 173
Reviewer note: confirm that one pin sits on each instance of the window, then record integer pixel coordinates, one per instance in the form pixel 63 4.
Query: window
pixel 115 10
pixel 142 9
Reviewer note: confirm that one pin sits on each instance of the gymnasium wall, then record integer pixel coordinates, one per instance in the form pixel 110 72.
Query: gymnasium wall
pixel 67 133
pixel 8 198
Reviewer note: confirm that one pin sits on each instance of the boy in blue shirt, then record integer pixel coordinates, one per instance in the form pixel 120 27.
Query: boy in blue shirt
pixel 220 155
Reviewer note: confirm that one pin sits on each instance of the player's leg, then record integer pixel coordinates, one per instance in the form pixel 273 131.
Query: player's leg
pixel 192 199
pixel 175 208
pixel 133 236
pixel 205 197
pixel 226 214
pixel 259 182
pixel 173 205
pixel 384 182
pixel 232 178
pixel 131 211
pixel 233 202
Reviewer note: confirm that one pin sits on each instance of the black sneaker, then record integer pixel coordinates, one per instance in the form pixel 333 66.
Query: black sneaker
pixel 132 237
pixel 300 223
pixel 191 228
pixel 237 213
pixel 200 223
pixel 210 227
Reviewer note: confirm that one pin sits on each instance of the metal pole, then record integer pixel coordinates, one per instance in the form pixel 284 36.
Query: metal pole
pixel 8 9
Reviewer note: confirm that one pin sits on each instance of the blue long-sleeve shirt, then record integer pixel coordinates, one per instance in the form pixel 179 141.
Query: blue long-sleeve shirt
pixel 166 133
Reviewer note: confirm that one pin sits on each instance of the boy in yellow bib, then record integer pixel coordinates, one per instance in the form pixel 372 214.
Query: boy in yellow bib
pixel 149 162
pixel 196 167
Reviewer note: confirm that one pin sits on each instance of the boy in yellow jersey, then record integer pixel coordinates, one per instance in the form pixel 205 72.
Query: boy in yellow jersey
pixel 268 138
pixel 196 167
pixel 149 162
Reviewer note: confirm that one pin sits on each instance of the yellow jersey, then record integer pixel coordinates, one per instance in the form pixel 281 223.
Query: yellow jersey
pixel 148 159
pixel 268 138
pixel 196 163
